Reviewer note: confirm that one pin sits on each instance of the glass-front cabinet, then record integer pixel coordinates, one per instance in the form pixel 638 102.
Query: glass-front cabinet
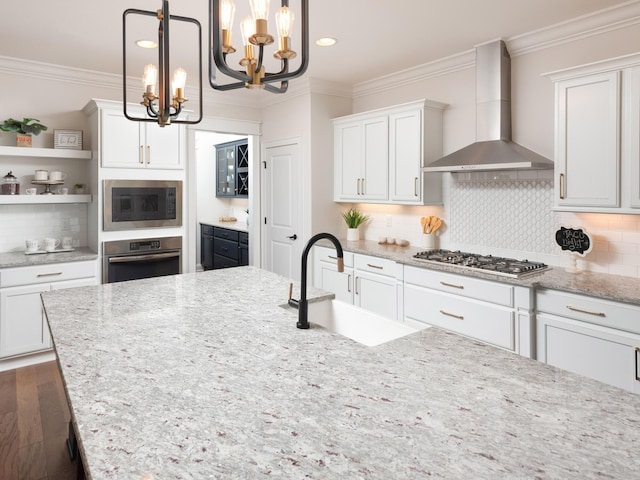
pixel 232 169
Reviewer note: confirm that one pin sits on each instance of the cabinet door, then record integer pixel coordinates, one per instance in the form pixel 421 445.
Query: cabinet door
pixel 340 283
pixel 631 132
pixel 348 160
pixel 587 164
pixel 122 144
pixel 375 179
pixel 162 146
pixel 405 157
pixel 225 171
pixel 23 327
pixel 206 251
pixel 376 293
pixel 601 353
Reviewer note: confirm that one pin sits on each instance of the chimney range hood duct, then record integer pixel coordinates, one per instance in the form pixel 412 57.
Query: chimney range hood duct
pixel 493 149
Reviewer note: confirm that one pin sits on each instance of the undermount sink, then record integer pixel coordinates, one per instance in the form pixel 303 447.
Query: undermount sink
pixel 356 323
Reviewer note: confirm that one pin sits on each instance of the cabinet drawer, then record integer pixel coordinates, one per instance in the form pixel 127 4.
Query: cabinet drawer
pixel 588 309
pixel 223 262
pixel 499 293
pixel 46 273
pixel 226 234
pixel 379 266
pixel 225 248
pixel 491 324
pixel 325 254
pixel 206 229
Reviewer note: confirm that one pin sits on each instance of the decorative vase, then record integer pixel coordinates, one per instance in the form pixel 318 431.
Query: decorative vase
pixel 23 139
pixel 353 234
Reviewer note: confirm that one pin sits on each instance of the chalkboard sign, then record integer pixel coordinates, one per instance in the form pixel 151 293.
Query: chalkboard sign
pixel 574 240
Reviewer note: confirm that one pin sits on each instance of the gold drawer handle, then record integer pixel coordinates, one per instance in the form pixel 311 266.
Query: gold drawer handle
pixel 54 274
pixel 459 317
pixel 375 266
pixel 562 186
pixel 636 359
pixel 453 285
pixel 588 312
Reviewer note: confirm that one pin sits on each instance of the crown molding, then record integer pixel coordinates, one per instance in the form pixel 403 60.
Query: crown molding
pixel 603 21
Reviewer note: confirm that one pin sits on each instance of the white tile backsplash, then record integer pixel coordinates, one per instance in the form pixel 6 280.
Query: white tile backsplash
pixel 514 217
pixel 20 222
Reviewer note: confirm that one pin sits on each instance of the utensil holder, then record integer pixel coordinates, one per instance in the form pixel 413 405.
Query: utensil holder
pixel 429 241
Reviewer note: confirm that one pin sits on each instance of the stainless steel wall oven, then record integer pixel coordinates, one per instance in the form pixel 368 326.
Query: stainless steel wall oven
pixel 124 260
pixel 132 204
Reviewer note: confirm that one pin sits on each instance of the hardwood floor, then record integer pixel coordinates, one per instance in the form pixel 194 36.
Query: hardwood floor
pixel 34 419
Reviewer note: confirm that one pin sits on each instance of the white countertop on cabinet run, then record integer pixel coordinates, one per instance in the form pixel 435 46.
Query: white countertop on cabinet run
pixel 238 226
pixel 600 285
pixel 20 259
pixel 204 375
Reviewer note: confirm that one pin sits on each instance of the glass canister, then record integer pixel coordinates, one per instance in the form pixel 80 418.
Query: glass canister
pixel 10 185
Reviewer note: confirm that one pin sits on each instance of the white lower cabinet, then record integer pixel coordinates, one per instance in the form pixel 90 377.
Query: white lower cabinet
pixel 368 282
pixel 496 313
pixel 23 325
pixel 596 338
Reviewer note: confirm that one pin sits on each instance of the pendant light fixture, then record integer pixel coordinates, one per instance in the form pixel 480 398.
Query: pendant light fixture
pixel 165 106
pixel 255 34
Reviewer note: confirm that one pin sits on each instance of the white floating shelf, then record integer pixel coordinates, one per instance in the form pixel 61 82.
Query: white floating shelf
pixel 44 152
pixel 43 199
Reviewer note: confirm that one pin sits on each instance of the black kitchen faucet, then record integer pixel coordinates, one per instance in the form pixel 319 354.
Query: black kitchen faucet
pixel 302 304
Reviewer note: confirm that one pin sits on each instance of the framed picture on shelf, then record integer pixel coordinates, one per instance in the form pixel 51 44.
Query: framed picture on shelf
pixel 71 139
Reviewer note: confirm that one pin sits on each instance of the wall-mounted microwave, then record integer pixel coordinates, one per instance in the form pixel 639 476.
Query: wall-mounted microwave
pixel 132 204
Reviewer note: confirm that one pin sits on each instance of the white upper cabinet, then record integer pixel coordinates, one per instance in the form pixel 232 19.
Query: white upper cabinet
pixel 129 144
pixel 597 137
pixel 378 155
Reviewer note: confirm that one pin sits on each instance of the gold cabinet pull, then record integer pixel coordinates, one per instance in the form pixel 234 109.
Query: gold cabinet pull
pixel 355 285
pixel 588 312
pixel 562 186
pixel 375 266
pixel 54 274
pixel 349 283
pixel 148 155
pixel 141 154
pixel 415 186
pixel 459 317
pixel 452 285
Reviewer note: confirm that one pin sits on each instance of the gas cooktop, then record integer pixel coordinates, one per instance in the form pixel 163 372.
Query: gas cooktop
pixel 507 267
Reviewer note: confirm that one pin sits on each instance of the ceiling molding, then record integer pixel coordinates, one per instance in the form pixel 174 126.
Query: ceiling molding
pixel 607 20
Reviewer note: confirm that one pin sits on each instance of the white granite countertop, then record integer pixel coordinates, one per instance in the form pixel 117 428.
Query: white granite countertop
pixel 204 375
pixel 238 226
pixel 601 285
pixel 19 259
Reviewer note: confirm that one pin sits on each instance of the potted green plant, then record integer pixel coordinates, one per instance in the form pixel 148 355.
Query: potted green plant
pixel 354 218
pixel 24 129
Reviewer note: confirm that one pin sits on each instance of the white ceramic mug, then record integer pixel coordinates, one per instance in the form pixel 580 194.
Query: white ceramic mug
pixel 67 242
pixel 41 175
pixel 63 191
pixel 31 191
pixel 51 244
pixel 32 245
pixel 57 176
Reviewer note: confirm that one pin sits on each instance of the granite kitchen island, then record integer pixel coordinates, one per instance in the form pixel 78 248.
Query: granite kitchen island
pixel 205 376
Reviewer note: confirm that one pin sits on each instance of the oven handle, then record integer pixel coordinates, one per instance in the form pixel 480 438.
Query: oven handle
pixel 137 258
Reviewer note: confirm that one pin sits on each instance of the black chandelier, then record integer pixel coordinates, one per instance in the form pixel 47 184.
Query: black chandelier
pixel 165 106
pixel 255 33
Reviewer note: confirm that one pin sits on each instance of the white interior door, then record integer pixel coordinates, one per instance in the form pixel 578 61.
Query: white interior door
pixel 282 214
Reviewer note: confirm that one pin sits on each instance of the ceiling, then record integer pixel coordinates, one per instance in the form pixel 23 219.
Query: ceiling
pixel 375 37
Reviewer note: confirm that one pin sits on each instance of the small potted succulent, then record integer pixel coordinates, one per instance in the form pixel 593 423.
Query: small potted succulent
pixel 24 129
pixel 354 218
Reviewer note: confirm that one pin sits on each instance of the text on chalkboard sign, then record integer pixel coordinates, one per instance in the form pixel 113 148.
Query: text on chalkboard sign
pixel 574 240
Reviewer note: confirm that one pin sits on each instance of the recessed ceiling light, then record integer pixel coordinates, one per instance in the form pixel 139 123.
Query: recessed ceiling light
pixel 326 41
pixel 146 43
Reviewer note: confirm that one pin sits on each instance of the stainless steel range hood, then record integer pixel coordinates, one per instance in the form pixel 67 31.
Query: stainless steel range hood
pixel 493 149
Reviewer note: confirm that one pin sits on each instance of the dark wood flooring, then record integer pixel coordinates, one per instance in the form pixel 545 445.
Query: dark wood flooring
pixel 34 422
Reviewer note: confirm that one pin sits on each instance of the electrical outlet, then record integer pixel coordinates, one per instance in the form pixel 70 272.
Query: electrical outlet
pixel 389 221
pixel 66 226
